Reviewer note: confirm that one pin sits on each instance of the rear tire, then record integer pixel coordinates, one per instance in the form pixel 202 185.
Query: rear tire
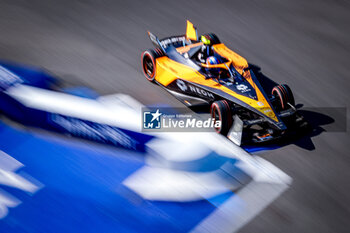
pixel 220 110
pixel 148 59
pixel 283 95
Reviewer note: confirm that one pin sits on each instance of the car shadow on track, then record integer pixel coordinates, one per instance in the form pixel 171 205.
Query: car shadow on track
pixel 302 138
pixel 318 120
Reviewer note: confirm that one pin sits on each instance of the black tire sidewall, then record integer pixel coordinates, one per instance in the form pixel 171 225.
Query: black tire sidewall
pixel 224 115
pixel 284 95
pixel 152 55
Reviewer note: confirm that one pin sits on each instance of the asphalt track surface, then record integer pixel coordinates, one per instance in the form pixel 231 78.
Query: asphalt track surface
pixel 303 43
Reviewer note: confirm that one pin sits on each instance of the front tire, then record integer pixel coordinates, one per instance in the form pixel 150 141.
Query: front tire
pixel 284 96
pixel 220 110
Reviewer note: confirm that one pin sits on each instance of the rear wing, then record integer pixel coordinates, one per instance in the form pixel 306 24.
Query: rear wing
pixel 191 35
pixel 156 41
pixel 191 32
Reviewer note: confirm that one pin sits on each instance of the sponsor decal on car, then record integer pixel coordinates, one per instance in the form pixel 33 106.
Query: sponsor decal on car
pixel 260 103
pixel 196 90
pixel 172 40
pixel 181 84
pixel 243 88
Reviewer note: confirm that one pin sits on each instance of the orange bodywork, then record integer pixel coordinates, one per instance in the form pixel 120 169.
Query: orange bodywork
pixel 169 70
pixel 185 49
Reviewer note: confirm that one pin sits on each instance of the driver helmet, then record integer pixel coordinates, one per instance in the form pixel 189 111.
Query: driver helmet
pixel 212 60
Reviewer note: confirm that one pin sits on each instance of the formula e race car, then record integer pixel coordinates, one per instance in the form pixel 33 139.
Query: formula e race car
pixel 204 71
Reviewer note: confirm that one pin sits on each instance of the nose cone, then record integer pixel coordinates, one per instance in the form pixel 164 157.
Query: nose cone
pixel 280 125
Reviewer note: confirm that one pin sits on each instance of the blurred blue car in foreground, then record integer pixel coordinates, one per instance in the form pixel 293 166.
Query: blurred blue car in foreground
pixel 147 183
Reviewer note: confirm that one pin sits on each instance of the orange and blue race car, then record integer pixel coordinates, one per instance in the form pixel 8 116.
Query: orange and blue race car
pixel 202 70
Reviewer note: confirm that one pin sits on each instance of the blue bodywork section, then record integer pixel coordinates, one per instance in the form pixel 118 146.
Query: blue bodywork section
pixel 31 75
pixel 81 92
pixel 13 75
pixel 82 190
pixel 81 184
